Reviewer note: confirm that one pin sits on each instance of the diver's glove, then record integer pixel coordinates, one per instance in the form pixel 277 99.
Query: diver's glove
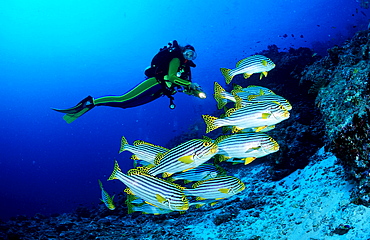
pixel 195 90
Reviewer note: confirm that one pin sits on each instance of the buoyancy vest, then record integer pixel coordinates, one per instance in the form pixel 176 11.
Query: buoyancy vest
pixel 160 63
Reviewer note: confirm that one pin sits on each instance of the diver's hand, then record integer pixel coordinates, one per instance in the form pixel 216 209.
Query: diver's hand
pixel 195 90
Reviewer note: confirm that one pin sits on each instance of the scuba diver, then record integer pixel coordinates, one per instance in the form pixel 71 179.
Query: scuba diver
pixel 168 74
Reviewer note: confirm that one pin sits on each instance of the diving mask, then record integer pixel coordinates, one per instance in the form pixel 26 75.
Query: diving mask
pixel 189 54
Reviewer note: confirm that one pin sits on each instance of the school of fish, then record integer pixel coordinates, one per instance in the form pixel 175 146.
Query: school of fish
pixel 160 181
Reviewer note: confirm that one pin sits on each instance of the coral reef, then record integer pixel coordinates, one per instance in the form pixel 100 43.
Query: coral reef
pixel 343 100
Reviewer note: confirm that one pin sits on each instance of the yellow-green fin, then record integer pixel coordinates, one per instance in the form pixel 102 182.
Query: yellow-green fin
pixel 209 120
pixel 226 73
pixel 115 170
pixel 246 75
pixel 160 198
pixel 186 159
pixel 248 160
pixel 263 74
pixel 217 95
pixel 266 115
pixel 123 143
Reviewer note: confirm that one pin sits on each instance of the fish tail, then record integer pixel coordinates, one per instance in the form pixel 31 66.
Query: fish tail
pixel 123 143
pixel 210 122
pixel 115 171
pixel 217 95
pixel 130 208
pixel 226 73
pixel 100 184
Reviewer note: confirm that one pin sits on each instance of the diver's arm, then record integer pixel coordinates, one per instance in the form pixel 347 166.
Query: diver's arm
pixel 172 73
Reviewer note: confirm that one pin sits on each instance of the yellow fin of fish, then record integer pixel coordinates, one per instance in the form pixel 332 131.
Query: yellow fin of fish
pixel 128 191
pixel 160 198
pixel 158 158
pixel 134 157
pixel 258 129
pixel 209 120
pixel 230 111
pixel 224 190
pixel 226 73
pixel 123 143
pixel 217 95
pixel 235 129
pixel 200 198
pixel 247 75
pixel 264 62
pixel 186 159
pixel 263 74
pixel 266 115
pixel 167 174
pixel 240 62
pixel 221 138
pixel 208 139
pixel 248 160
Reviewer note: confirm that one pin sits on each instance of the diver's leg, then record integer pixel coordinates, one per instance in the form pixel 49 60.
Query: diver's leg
pixel 81 108
pixel 145 92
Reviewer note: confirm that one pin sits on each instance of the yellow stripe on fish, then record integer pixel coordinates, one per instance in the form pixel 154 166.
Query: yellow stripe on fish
pixel 254 115
pixel 105 198
pixel 216 188
pixel 248 66
pixel 142 150
pixel 152 190
pixel 187 155
pixel 247 146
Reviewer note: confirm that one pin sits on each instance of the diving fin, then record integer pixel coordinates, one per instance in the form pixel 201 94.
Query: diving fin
pixel 75 112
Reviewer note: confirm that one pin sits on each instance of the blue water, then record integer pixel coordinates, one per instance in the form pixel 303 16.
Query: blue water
pixel 55 53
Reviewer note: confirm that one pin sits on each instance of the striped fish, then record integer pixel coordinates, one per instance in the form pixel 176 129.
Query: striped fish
pixel 267 98
pixel 247 146
pixel 248 66
pixel 154 191
pixel 216 188
pixel 142 150
pixel 200 173
pixel 185 156
pixel 105 198
pixel 222 96
pixel 259 114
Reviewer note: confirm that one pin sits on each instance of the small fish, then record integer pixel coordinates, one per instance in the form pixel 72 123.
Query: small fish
pixel 105 198
pixel 152 190
pixel 183 157
pixel 142 150
pixel 260 114
pixel 248 66
pixel 200 173
pixel 222 96
pixel 247 146
pixel 216 188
